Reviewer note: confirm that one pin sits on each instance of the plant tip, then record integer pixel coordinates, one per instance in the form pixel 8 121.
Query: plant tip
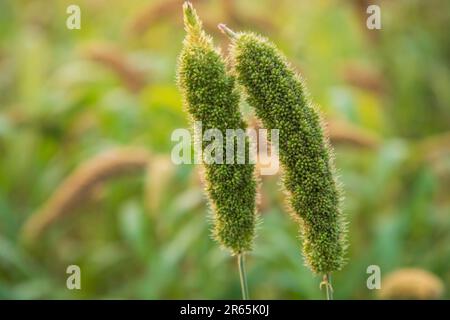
pixel 227 31
pixel 187 5
pixel 190 16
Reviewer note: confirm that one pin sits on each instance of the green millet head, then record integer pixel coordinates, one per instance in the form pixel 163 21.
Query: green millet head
pixel 280 100
pixel 210 96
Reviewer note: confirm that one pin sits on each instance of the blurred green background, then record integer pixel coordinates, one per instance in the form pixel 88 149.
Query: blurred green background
pixel 69 95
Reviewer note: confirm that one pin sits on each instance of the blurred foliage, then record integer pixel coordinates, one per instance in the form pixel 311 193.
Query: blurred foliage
pixel 66 95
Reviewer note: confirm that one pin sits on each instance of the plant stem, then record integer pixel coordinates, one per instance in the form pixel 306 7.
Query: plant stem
pixel 327 283
pixel 243 276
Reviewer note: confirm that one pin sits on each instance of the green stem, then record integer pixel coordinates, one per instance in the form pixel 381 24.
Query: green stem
pixel 327 283
pixel 243 276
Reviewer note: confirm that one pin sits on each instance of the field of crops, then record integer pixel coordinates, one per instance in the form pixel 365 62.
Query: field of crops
pixel 87 178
